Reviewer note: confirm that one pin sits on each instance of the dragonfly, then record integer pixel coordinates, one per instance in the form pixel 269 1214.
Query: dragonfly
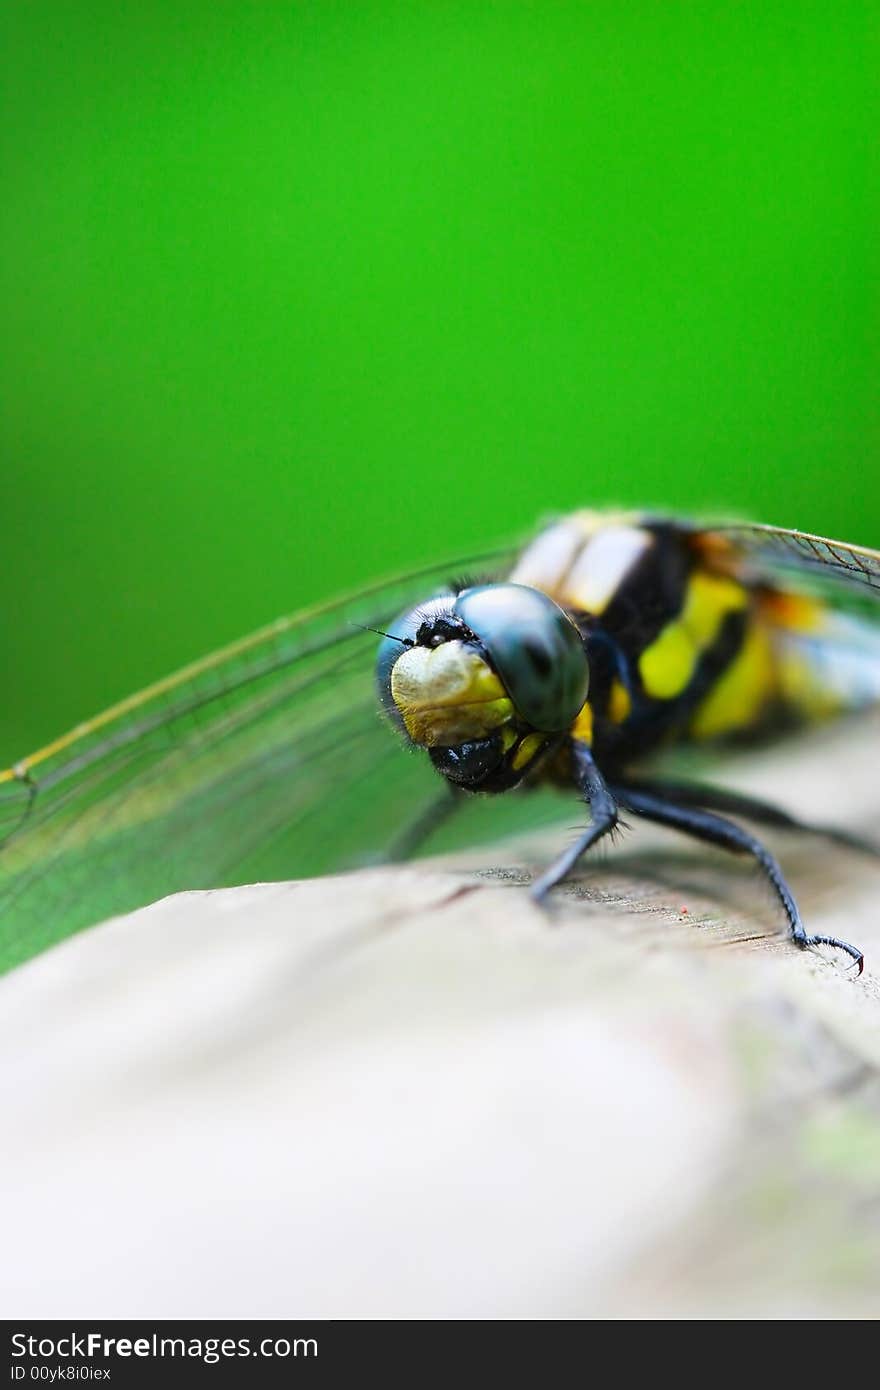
pixel 349 732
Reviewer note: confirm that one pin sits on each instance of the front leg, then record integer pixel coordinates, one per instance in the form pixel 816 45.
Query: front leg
pixel 603 811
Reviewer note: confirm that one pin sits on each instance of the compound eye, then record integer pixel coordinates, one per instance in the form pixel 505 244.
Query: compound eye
pixel 535 648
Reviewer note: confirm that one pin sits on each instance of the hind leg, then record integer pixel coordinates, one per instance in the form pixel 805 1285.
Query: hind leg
pixel 715 830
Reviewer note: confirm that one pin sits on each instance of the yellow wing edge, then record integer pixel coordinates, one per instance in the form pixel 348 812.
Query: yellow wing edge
pixel 842 556
pixel 20 770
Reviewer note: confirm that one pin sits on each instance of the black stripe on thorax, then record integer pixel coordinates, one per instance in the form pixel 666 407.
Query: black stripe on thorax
pixel 653 593
pixel 653 722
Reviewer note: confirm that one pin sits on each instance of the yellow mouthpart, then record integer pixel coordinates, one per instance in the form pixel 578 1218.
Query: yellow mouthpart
pixel 447 695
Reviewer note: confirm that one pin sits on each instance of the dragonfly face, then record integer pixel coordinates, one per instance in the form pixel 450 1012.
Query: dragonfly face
pixel 487 680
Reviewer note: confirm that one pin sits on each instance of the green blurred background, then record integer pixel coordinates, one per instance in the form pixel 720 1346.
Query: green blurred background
pixel 297 295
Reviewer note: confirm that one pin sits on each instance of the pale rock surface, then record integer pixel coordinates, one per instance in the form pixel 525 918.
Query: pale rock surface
pixel 402 1092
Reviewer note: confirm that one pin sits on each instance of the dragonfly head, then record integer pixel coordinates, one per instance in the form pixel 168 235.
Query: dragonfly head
pixel 486 680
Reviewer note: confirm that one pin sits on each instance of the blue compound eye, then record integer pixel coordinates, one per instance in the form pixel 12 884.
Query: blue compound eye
pixel 535 648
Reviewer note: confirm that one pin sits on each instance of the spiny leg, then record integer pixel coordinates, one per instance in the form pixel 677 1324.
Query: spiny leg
pixel 603 811
pixel 704 825
pixel 752 808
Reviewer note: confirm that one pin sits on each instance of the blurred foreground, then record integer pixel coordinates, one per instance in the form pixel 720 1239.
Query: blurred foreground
pixel 381 1095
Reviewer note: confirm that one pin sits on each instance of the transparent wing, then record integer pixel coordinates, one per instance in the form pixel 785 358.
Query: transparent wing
pixel 781 549
pixel 265 760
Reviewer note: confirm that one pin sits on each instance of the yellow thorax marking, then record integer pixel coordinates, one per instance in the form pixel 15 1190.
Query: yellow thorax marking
pixel 619 703
pixel 530 746
pixel 582 728
pixel 738 697
pixel 668 665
